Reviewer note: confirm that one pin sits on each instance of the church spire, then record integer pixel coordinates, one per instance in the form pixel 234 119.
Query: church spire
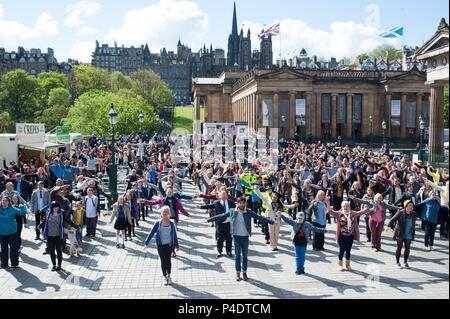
pixel 235 27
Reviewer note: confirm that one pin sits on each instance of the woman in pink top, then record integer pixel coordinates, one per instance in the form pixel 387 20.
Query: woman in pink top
pixel 347 230
pixel 376 220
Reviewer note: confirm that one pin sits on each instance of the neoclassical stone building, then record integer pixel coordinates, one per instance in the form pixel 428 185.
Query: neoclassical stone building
pixel 319 104
pixel 435 54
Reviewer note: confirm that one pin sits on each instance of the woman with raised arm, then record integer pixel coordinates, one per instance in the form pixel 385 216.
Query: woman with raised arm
pixel 347 230
pixel 404 223
pixel 166 241
pixel 174 204
pixel 8 232
pixel 376 220
pixel 300 233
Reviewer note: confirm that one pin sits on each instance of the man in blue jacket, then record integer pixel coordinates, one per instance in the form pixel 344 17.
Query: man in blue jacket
pixel 241 230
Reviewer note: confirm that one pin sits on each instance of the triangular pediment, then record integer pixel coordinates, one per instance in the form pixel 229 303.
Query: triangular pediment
pixel 413 75
pixel 285 73
pixel 439 41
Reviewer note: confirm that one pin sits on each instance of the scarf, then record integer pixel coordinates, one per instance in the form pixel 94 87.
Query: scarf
pixel 349 219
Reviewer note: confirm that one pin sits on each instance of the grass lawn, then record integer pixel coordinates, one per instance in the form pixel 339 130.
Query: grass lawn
pixel 183 117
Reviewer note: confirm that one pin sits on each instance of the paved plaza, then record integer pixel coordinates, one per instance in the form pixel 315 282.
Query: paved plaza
pixel 107 272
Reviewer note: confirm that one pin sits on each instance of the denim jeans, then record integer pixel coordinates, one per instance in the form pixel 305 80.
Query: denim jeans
pixel 241 247
pixel 300 256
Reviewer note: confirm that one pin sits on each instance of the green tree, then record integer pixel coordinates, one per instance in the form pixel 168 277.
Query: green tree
pixel 85 78
pixel 446 106
pixel 150 86
pixel 6 123
pixel 90 113
pixel 48 81
pixel 384 50
pixel 57 110
pixel 18 95
pixel 362 57
pixel 120 81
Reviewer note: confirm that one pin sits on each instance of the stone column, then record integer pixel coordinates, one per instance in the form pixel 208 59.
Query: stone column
pixel 349 125
pixel 196 123
pixel 333 116
pixel 310 124
pixel 387 114
pixel 318 132
pixel 292 107
pixel 276 108
pixel 419 109
pixel 403 117
pixel 365 113
pixel 436 145
pixel 258 109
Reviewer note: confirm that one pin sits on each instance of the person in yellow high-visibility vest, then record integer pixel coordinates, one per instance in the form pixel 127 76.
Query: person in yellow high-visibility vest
pixel 265 227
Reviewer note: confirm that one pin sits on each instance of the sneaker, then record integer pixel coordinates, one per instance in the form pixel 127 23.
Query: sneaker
pixel 58 268
pixel 431 248
pixel 399 266
pixel 407 266
pixel 267 242
pixel 219 255
pixel 169 281
pixel 37 238
pixel 238 277
pixel 298 272
pixel 117 246
pixel 374 249
pixel 245 276
pixel 166 281
pixel 123 246
pixel 302 271
pixel 54 268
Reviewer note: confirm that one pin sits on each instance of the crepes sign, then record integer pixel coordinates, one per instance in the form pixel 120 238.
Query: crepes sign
pixel 30 132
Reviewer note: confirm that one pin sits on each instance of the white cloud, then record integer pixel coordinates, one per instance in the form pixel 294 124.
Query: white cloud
pixel 161 25
pixel 46 24
pixel 13 33
pixel 343 39
pixel 80 10
pixel 88 30
pixel 82 51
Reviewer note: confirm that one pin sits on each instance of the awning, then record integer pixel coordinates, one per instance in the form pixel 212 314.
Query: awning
pixel 39 146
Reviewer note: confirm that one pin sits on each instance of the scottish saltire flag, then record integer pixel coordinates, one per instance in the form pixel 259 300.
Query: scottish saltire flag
pixel 272 30
pixel 396 32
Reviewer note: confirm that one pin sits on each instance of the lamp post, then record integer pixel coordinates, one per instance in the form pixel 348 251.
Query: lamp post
pixel 371 130
pixel 384 127
pixel 422 131
pixel 112 166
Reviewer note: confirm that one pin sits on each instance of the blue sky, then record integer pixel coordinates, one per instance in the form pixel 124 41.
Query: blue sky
pixel 324 27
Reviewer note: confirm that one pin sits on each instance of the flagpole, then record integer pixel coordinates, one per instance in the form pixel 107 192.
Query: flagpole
pixel 281 61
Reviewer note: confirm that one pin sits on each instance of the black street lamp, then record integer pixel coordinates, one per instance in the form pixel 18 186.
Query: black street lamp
pixel 384 127
pixel 113 166
pixel 422 132
pixel 371 130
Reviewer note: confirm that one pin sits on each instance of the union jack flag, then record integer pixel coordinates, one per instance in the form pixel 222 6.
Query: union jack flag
pixel 272 30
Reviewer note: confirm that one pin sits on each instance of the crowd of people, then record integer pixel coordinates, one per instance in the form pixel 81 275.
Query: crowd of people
pixel 312 187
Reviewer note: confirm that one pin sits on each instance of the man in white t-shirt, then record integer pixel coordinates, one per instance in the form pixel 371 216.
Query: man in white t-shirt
pixel 91 212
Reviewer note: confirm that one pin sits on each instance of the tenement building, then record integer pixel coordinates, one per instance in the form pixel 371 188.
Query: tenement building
pixel 34 61
pixel 319 104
